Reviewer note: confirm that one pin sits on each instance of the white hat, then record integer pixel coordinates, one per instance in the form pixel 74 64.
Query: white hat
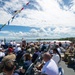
pixel 32 44
pixel 18 45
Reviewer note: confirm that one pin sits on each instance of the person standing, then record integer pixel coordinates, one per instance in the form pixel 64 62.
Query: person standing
pixel 56 56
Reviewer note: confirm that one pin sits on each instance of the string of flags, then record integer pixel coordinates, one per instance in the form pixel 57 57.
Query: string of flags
pixel 12 18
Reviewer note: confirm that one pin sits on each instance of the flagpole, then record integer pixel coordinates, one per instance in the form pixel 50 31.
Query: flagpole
pixel 12 17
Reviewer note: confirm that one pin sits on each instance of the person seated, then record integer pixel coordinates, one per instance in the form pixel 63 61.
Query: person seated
pixel 8 67
pixel 27 63
pixel 2 43
pixel 7 64
pixel 17 48
pixel 43 48
pixel 10 55
pixel 2 54
pixel 50 67
pixel 36 54
pixel 19 55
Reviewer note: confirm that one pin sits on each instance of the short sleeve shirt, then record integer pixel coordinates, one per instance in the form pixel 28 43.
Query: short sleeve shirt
pixel 50 68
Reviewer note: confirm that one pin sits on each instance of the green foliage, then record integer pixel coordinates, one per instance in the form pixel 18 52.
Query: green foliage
pixel 68 38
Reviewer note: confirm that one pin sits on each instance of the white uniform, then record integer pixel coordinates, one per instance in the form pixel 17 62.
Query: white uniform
pixel 56 58
pixel 50 68
pixel 59 50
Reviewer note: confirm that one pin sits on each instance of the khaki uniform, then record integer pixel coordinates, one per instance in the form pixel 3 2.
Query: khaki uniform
pixel 9 57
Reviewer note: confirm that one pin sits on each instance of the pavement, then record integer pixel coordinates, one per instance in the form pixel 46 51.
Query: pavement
pixel 67 71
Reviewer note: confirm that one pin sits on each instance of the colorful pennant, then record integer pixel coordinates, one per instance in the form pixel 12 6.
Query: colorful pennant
pixel 15 13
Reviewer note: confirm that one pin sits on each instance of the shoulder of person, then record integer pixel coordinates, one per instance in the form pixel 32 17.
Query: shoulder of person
pixel 16 73
pixel 12 56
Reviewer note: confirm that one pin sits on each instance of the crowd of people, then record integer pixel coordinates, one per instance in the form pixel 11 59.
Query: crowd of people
pixel 18 58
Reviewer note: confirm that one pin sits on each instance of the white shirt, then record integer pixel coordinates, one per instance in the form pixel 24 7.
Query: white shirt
pixel 17 49
pixel 56 58
pixel 2 43
pixel 14 43
pixel 2 54
pixel 50 68
pixel 59 50
pixel 11 42
pixel 41 46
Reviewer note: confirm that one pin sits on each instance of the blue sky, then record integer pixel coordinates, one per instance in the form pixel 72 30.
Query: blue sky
pixel 40 19
pixel 16 28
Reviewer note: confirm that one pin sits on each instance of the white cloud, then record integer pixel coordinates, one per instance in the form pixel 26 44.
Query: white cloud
pixel 51 14
pixel 57 32
pixel 33 31
pixel 4 17
pixel 4 32
pixel 68 6
pixel 73 7
pixel 62 30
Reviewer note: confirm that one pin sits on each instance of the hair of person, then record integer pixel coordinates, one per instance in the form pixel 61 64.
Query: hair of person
pixel 47 55
pixel 60 44
pixel 27 56
pixel 8 65
pixel 36 48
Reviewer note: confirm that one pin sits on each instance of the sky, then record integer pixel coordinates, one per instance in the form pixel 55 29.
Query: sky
pixel 39 19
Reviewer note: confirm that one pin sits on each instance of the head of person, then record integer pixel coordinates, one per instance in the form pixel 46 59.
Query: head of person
pixel 60 44
pixel 10 50
pixel 27 57
pixel 36 48
pixel 46 56
pixel 57 46
pixel 24 43
pixel 54 42
pixel 1 40
pixel 8 67
pixel 55 50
